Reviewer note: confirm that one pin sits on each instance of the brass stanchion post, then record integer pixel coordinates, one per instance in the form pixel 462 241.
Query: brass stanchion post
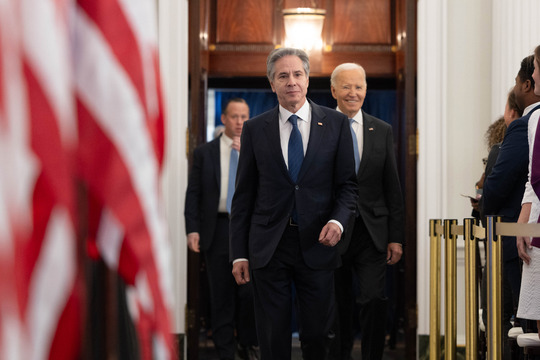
pixel 435 290
pixel 471 292
pixel 450 334
pixel 494 290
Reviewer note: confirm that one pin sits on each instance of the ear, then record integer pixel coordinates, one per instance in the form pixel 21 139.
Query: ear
pixel 272 86
pixel 514 114
pixel 527 86
pixel 333 89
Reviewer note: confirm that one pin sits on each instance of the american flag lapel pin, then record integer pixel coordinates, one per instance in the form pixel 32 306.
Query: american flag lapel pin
pixel 319 123
pixel 370 129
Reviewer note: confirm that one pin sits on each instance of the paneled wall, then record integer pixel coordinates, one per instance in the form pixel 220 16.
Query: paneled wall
pixel 239 34
pixel 362 22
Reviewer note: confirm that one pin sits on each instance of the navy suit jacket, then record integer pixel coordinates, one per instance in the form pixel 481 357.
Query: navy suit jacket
pixel 203 191
pixel 380 203
pixel 504 187
pixel 265 194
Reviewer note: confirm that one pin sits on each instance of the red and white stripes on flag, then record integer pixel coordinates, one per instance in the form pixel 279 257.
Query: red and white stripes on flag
pixel 40 296
pixel 79 98
pixel 121 150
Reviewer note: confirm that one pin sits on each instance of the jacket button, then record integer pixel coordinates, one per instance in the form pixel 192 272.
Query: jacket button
pixel 296 187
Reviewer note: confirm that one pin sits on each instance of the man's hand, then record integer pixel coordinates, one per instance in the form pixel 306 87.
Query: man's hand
pixel 240 271
pixel 393 253
pixel 193 242
pixel 330 234
pixel 236 143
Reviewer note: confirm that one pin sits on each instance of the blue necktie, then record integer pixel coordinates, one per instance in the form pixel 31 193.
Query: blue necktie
pixel 233 164
pixel 296 149
pixel 355 146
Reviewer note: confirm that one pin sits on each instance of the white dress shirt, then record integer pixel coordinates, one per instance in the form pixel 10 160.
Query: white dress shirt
pixel 285 128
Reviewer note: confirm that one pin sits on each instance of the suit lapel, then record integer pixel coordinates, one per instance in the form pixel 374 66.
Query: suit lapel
pixel 316 135
pixel 216 160
pixel 368 133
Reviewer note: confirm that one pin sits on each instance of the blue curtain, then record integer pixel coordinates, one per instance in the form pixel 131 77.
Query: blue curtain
pixel 379 103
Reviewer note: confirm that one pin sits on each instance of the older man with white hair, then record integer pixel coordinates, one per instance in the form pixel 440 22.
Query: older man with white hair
pixel 374 236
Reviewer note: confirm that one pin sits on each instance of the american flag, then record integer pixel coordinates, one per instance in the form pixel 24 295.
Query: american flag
pixel 79 99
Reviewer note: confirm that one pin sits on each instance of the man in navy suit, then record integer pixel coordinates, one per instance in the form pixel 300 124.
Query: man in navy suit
pixel 505 185
pixel 207 227
pixel 375 235
pixel 295 191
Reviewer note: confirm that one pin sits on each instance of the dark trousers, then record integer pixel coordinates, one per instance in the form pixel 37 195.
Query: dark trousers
pixel 231 305
pixel 368 264
pixel 272 286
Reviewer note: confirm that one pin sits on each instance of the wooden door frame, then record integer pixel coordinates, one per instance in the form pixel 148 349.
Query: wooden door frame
pixel 199 62
pixel 406 86
pixel 198 85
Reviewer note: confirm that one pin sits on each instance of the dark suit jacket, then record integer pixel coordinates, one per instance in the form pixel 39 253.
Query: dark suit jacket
pixel 265 194
pixel 202 195
pixel 504 187
pixel 380 203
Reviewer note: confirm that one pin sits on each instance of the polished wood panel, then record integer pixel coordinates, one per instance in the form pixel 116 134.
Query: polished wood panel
pixel 244 21
pixel 241 33
pixel 231 63
pixel 376 63
pixel 234 63
pixel 362 22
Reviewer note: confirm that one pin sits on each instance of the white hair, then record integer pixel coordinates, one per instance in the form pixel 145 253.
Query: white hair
pixel 343 67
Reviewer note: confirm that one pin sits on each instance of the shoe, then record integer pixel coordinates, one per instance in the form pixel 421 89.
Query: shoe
pixel 515 332
pixel 248 352
pixel 528 340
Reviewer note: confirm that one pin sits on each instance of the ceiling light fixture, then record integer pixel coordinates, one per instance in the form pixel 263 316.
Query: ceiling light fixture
pixel 303 27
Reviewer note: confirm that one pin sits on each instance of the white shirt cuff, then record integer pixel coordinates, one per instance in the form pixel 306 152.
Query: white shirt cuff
pixel 529 194
pixel 338 224
pixel 238 260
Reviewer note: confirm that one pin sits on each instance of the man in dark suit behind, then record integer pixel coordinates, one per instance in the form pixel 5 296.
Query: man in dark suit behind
pixel 295 191
pixel 207 228
pixel 375 235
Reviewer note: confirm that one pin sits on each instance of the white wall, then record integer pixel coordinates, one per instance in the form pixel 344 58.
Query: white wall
pixel 515 35
pixel 173 42
pixel 453 112
pixel 468 56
